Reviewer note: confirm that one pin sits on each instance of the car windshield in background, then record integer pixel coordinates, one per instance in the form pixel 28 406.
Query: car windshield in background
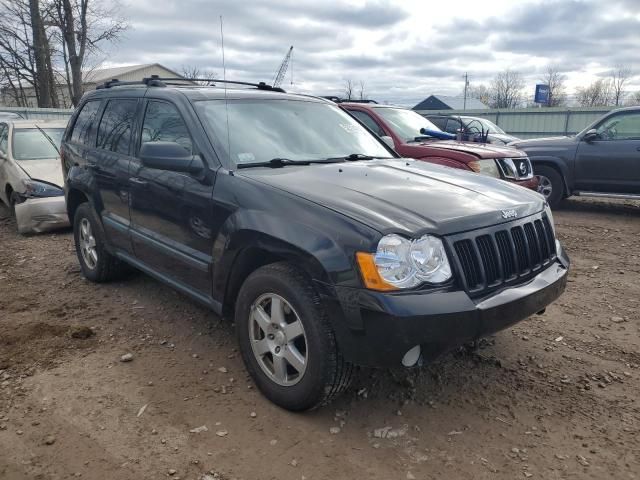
pixel 31 144
pixel 486 125
pixel 406 123
pixel 261 130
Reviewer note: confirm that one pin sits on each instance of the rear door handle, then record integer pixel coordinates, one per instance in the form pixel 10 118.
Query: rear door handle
pixel 138 182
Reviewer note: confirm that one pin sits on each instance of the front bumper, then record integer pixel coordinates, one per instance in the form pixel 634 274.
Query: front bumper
pixel 37 215
pixel 380 328
pixel 531 184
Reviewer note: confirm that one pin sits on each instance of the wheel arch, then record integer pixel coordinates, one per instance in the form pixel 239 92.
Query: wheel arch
pixel 559 166
pixel 75 198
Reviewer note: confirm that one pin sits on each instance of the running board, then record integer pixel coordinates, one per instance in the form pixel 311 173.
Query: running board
pixel 624 196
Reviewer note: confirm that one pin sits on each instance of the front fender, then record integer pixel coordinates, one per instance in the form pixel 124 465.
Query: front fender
pixel 312 249
pixel 559 164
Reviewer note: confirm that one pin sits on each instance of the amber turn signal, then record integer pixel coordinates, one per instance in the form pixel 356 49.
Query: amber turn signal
pixel 370 275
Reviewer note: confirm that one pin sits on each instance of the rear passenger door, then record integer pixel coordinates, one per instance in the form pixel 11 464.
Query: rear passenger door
pixel 172 212
pixel 109 162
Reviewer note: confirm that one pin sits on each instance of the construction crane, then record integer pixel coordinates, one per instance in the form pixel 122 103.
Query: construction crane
pixel 283 69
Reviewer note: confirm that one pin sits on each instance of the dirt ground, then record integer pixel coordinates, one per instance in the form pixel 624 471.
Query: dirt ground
pixel 555 397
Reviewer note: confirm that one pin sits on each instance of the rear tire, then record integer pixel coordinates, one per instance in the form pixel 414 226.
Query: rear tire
pixel 550 184
pixel 274 301
pixel 97 264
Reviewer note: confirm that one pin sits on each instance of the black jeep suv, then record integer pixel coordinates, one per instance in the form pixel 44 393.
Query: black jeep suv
pixel 286 213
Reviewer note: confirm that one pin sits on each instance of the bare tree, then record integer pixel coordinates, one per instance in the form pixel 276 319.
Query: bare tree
pixel 597 94
pixel 45 83
pixel 555 80
pixel 361 93
pixel 634 99
pixel 506 90
pixel 620 76
pixel 191 71
pixel 479 92
pixel 349 87
pixel 16 55
pixel 84 26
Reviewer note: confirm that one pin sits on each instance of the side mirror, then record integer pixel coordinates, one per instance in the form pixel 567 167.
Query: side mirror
pixel 169 156
pixel 591 135
pixel 388 140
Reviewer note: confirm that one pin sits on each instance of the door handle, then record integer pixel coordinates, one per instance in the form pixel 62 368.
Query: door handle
pixel 638 149
pixel 94 167
pixel 138 182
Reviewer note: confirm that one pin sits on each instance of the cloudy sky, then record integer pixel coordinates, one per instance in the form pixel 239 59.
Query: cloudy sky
pixel 402 50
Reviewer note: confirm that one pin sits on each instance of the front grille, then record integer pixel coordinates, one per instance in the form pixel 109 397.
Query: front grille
pixel 504 255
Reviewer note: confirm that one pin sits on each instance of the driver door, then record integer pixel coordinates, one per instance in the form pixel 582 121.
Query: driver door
pixel 611 161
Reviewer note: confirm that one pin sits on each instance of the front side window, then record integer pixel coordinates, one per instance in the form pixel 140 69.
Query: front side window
pixel 114 131
pixel 4 138
pixel 163 123
pixel 405 123
pixel 368 121
pixel 263 129
pixel 624 126
pixel 85 123
pixel 32 144
pixel 483 124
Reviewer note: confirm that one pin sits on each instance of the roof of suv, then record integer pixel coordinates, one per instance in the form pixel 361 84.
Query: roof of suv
pixel 199 92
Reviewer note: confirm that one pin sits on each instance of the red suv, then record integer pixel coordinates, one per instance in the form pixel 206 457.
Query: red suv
pixel 408 133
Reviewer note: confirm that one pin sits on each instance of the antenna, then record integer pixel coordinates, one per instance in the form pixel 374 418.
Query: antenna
pixel 226 103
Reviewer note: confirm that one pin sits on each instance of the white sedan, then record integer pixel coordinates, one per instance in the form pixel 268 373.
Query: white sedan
pixel 31 174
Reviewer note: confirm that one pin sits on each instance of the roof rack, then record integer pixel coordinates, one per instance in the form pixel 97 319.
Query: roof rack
pixel 157 81
pixel 341 100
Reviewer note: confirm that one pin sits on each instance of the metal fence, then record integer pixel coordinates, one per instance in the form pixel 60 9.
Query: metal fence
pixel 522 122
pixel 39 113
pixel 534 122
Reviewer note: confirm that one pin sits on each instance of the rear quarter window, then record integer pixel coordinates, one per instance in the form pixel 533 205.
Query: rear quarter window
pixel 84 127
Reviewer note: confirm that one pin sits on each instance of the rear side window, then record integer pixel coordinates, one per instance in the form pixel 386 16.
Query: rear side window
pixel 453 126
pixel 85 123
pixel 163 123
pixel 114 131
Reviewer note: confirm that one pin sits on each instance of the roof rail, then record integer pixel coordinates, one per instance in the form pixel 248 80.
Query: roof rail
pixel 335 99
pixel 157 81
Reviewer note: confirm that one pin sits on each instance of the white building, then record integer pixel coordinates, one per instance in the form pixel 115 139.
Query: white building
pixel 91 79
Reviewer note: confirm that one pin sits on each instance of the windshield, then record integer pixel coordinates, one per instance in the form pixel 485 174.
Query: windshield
pixel 487 125
pixel 406 123
pixel 31 144
pixel 261 130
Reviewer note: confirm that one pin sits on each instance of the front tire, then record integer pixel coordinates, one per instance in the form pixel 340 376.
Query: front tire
pixel 97 264
pixel 286 339
pixel 550 184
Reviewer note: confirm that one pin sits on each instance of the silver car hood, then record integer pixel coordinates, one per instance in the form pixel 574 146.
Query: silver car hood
pixel 48 170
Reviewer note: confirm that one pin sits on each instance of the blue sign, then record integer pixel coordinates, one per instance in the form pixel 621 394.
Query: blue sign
pixel 542 93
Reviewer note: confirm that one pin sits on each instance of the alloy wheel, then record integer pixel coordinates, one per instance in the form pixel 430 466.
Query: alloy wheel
pixel 88 244
pixel 545 187
pixel 278 339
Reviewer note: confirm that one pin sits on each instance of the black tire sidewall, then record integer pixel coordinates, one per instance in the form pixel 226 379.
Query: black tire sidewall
pixel 557 193
pixel 321 350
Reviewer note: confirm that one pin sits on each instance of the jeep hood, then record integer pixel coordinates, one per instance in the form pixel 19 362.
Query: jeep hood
pixel 49 170
pixel 403 195
pixel 481 150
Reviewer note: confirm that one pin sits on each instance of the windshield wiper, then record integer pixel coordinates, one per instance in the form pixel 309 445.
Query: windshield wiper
pixel 282 162
pixel 354 157
pixel 53 144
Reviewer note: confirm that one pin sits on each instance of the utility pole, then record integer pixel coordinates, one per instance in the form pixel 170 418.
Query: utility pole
pixel 466 86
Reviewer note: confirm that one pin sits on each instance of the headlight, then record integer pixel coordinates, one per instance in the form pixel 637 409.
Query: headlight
pixel 516 168
pixel 36 188
pixel 402 263
pixel 485 167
